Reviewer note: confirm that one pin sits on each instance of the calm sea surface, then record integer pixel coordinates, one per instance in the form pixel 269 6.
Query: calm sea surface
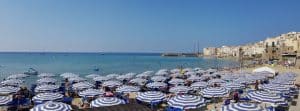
pixel 84 63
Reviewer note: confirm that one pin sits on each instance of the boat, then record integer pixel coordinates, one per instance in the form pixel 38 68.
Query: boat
pixel 31 71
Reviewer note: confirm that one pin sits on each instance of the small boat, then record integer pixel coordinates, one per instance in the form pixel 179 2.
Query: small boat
pixel 31 71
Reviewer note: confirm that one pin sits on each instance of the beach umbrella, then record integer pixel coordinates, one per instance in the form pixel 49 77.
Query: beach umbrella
pixel 111 83
pixel 158 78
pixel 106 101
pixel 195 78
pixel 266 97
pixel 41 97
pixel 156 85
pixel 229 77
pixel 138 81
pixel 162 73
pixel 143 75
pixel 179 75
pixel 211 70
pixel 12 82
pixel 199 85
pixel 206 76
pixel 175 71
pixel 163 70
pixel 91 76
pixel 124 77
pixel 46 88
pixel 82 86
pixel 52 106
pixel 17 76
pixel 46 75
pixel 197 69
pixel 151 96
pixel 242 107
pixel 112 76
pixel 234 86
pixel 200 71
pixel 68 75
pixel 176 81
pixel 216 81
pixel 190 73
pixel 8 90
pixel 244 80
pixel 130 74
pixel 101 78
pixel 91 93
pixel 127 89
pixel 148 72
pixel 77 79
pixel 186 102
pixel 276 88
pixel 180 89
pixel 46 81
pixel 210 92
pixel 5 100
pixel 187 70
pixel 282 82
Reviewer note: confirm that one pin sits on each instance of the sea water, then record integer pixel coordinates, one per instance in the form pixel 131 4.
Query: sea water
pixel 85 63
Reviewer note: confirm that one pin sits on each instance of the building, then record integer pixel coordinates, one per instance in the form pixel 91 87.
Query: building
pixel 210 51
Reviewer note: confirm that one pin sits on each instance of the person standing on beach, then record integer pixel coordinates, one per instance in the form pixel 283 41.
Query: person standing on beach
pixel 256 85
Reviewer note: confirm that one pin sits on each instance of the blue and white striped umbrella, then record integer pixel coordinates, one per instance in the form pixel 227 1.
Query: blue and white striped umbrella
pixel 8 90
pixel 111 83
pixel 199 85
pixel 112 76
pixel 180 89
pixel 138 81
pixel 46 88
pixel 210 92
pixel 216 81
pixel 234 86
pixel 82 85
pixel 276 88
pixel 46 75
pixel 229 77
pixel 91 76
pixel 175 71
pixel 266 97
pixel 149 72
pixel 52 106
pixel 46 81
pixel 282 82
pixel 77 79
pixel 161 73
pixel 17 76
pixel 124 77
pixel 101 78
pixel 130 74
pixel 41 97
pixel 127 89
pixel 12 82
pixel 156 85
pixel 179 75
pixel 244 80
pixel 176 81
pixel 242 107
pixel 143 75
pixel 91 93
pixel 151 96
pixel 158 78
pixel 190 73
pixel 5 99
pixel 68 75
pixel 195 78
pixel 106 101
pixel 186 102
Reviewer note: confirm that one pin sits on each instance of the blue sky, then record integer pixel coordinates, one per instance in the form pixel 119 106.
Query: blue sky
pixel 141 25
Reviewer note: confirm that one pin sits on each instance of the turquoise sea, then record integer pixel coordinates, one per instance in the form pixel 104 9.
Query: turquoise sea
pixel 84 63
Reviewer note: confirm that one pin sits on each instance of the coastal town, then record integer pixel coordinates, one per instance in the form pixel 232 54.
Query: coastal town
pixel 283 49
